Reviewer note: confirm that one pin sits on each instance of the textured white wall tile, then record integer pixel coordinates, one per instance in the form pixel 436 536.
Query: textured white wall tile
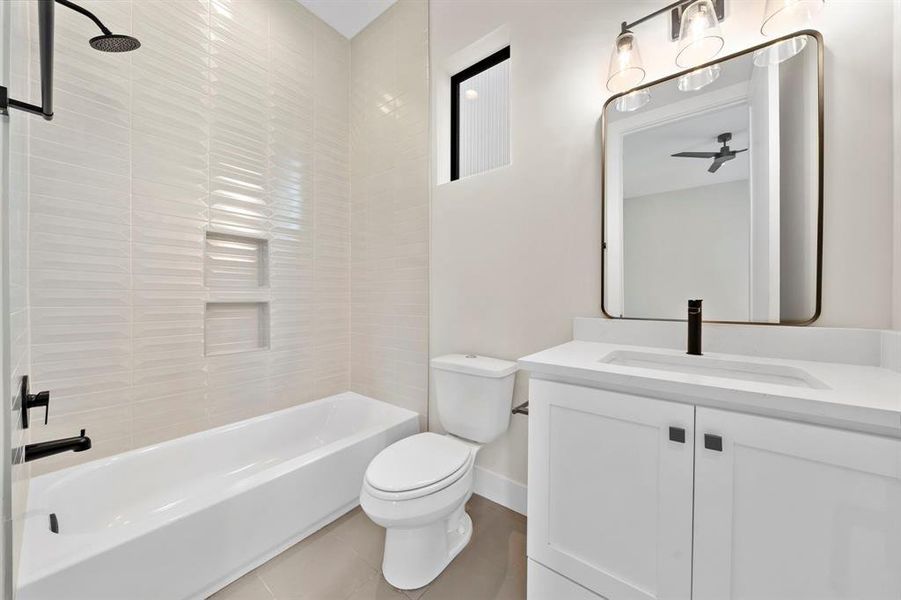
pixel 233 116
pixel 390 207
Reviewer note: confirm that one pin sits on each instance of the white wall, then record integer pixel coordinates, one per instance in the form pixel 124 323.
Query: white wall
pixel 688 243
pixel 516 251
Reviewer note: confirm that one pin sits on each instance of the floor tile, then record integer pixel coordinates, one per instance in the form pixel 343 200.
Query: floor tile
pixel 343 560
pixel 249 587
pixel 377 589
pixel 493 565
pixel 417 593
pixel 324 570
pixel 363 536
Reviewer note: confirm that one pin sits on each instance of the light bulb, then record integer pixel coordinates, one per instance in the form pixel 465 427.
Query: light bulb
pixel 626 70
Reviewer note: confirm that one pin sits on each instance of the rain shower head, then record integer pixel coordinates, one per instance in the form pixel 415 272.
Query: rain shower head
pixel 109 41
pixel 114 42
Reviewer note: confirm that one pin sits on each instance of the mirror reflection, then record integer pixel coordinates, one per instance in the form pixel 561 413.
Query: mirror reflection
pixel 711 190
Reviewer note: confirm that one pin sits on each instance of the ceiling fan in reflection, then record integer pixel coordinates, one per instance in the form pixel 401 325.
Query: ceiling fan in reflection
pixel 724 155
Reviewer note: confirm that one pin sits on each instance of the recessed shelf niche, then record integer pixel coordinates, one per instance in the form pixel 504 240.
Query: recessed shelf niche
pixel 232 327
pixel 236 275
pixel 234 262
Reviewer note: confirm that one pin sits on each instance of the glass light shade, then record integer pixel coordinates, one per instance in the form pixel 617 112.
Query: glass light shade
pixel 626 69
pixel 780 51
pixel 699 78
pixel 632 101
pixel 700 38
pixel 785 16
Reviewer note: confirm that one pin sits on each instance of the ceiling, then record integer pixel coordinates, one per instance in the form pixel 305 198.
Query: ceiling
pixel 348 17
pixel 650 168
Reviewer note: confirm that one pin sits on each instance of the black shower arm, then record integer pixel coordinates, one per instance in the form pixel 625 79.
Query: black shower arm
pixel 86 13
pixel 45 35
pixel 45 43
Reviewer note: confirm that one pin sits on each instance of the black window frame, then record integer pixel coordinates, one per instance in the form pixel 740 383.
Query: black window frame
pixel 456 79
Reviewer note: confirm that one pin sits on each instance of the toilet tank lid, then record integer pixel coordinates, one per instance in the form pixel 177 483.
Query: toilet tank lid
pixel 472 364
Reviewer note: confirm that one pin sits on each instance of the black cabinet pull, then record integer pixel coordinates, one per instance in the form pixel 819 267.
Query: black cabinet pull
pixel 713 442
pixel 677 434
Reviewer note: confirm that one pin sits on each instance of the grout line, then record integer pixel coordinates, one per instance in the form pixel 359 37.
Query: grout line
pixel 263 581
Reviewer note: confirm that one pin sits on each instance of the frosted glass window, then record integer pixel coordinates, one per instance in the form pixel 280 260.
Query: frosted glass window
pixel 480 121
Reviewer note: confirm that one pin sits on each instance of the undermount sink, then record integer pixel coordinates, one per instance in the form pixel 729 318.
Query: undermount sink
pixel 716 367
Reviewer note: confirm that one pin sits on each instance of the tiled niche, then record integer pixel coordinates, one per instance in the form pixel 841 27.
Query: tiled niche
pixel 234 262
pixel 236 275
pixel 233 327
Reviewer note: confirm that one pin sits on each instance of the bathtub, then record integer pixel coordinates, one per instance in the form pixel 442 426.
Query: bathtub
pixel 184 518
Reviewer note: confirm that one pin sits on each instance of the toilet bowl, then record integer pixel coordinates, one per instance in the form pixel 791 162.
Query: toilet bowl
pixel 418 487
pixel 420 505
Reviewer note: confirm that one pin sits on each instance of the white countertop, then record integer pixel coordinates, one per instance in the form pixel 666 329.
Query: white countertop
pixel 865 398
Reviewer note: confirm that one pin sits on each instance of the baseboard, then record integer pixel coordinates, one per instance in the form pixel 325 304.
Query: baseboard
pixel 500 489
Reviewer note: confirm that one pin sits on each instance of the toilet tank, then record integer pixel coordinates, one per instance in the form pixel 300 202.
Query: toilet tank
pixel 474 395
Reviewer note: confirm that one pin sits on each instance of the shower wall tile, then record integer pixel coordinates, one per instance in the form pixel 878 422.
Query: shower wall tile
pixel 233 117
pixel 80 238
pixel 389 230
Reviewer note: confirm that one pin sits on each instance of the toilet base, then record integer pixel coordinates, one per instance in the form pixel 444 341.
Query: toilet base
pixel 415 556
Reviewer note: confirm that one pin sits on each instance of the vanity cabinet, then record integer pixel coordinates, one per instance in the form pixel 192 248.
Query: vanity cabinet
pixel 610 493
pixel 790 510
pixel 745 507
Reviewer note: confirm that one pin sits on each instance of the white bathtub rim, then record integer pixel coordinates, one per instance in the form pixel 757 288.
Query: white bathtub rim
pixel 41 480
pixel 76 547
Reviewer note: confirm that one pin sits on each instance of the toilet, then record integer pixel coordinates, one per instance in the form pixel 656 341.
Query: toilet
pixel 417 488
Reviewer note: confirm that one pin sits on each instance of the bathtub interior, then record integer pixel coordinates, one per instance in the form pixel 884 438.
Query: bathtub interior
pixel 162 481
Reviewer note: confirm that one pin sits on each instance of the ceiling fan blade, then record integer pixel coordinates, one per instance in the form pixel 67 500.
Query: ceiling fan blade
pixel 696 154
pixel 737 151
pixel 718 163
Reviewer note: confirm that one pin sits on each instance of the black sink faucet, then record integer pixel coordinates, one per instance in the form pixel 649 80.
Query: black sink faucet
pixel 694 327
pixel 78 443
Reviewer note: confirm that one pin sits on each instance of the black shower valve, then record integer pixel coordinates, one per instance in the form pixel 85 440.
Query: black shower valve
pixel 29 401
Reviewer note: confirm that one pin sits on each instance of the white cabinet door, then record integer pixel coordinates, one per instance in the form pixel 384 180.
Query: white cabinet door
pixel 610 494
pixel 788 511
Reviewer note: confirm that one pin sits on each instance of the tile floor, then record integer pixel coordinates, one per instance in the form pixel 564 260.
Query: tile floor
pixel 343 562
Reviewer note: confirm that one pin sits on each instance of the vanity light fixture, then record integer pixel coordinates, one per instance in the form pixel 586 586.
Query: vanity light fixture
pixel 700 37
pixel 695 23
pixel 781 17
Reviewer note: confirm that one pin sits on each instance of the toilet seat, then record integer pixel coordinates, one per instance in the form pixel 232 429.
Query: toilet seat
pixel 417 466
